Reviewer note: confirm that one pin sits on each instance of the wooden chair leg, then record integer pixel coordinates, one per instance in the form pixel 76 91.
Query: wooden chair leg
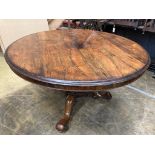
pixel 62 125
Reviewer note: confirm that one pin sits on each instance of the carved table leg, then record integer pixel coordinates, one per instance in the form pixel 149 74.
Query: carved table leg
pixel 62 125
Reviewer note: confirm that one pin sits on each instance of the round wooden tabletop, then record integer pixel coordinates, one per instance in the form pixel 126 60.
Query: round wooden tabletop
pixel 77 60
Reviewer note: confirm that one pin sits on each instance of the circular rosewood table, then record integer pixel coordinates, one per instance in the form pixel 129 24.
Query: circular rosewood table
pixel 79 62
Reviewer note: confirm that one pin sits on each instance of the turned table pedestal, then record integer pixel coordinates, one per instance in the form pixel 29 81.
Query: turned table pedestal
pixel 79 62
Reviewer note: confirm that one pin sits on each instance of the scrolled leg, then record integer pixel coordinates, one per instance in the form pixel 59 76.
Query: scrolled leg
pixel 62 125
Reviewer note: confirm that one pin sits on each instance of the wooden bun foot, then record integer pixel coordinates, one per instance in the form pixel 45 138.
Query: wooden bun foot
pixel 62 125
pixel 105 95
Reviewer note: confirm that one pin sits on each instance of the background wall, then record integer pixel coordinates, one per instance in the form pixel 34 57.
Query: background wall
pixel 13 29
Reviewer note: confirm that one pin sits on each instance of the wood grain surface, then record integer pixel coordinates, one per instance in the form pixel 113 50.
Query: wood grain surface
pixel 77 59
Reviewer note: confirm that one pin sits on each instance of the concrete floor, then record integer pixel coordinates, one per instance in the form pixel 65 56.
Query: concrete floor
pixel 26 108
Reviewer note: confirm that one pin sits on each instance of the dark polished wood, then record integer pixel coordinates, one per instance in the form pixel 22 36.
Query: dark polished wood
pixel 77 61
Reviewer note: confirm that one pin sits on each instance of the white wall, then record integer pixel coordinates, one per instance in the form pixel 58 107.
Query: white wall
pixel 13 29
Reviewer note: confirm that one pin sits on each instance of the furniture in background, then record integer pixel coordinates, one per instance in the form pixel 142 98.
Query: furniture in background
pixel 145 25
